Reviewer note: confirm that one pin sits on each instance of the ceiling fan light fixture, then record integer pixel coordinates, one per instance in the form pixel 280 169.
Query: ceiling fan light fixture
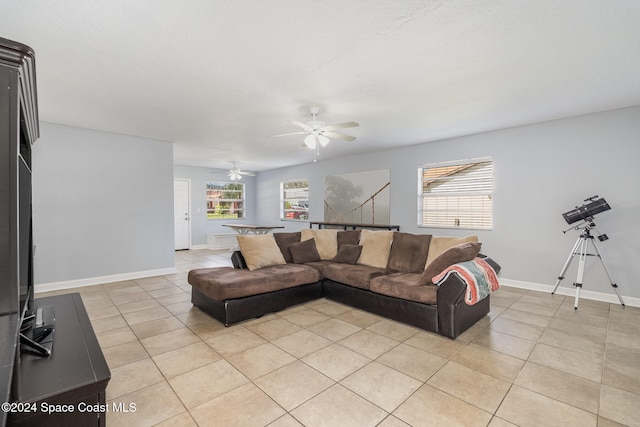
pixel 310 141
pixel 323 140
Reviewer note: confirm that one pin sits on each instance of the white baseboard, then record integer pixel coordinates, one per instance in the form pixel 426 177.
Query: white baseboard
pixel 198 247
pixel 78 283
pixel 89 281
pixel 586 294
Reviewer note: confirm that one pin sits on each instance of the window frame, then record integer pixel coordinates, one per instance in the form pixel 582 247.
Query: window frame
pixel 241 200
pixel 294 214
pixel 482 197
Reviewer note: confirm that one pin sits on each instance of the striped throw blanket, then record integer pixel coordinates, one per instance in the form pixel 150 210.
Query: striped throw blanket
pixel 477 274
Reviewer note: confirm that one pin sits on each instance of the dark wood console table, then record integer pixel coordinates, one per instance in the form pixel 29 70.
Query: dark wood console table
pixel 76 373
pixel 354 226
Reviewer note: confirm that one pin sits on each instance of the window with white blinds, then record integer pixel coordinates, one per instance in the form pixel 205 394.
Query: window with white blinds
pixel 456 194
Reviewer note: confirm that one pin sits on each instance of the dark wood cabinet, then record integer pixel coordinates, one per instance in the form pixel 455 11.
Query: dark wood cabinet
pixel 17 99
pixel 68 387
pixel 18 130
pixel 71 383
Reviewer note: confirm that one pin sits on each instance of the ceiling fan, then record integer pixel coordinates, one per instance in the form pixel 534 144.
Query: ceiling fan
pixel 236 174
pixel 318 132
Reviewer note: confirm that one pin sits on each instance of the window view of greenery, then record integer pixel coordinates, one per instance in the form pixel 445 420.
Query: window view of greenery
pixel 457 195
pixel 225 200
pixel 294 198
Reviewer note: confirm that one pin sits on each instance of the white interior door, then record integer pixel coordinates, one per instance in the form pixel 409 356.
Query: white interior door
pixel 181 213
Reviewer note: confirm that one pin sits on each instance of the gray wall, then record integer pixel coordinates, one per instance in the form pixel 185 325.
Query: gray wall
pixel 200 225
pixel 541 171
pixel 103 204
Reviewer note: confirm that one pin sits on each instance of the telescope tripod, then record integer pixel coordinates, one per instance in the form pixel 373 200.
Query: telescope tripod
pixel 581 249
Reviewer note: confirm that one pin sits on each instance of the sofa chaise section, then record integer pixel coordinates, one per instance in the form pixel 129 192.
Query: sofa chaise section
pixel 231 295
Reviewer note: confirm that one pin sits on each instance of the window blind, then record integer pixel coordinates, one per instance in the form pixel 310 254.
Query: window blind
pixel 456 195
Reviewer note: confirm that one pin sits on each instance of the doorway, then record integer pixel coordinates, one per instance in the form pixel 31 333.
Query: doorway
pixel 182 213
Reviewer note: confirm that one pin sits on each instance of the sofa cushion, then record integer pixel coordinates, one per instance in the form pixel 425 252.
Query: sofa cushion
pixel 348 237
pixel 260 251
pixel 305 251
pixel 459 253
pixel 326 241
pixel 223 283
pixel 348 254
pixel 408 253
pixel 439 244
pixel 357 275
pixel 320 266
pixel 376 246
pixel 284 240
pixel 405 286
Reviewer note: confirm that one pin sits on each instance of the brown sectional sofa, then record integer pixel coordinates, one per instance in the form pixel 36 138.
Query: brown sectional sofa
pixel 361 269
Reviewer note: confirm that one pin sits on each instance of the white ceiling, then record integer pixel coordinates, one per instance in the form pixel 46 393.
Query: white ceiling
pixel 219 78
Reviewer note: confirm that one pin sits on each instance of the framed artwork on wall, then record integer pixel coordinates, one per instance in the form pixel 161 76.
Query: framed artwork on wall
pixel 361 198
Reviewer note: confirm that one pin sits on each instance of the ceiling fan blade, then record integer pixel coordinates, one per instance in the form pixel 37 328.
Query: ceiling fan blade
pixel 341 126
pixel 247 173
pixel 292 133
pixel 302 125
pixel 339 136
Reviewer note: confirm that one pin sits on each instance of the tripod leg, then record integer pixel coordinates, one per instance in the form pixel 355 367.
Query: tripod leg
pixel 581 263
pixel 575 302
pixel 606 269
pixel 566 265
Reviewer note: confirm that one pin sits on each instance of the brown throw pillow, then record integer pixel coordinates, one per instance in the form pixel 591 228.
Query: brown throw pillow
pixel 439 244
pixel 460 253
pixel 284 240
pixel 348 237
pixel 348 254
pixel 408 253
pixel 305 251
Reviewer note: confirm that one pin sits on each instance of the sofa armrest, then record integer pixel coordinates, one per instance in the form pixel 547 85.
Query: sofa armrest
pixel 238 260
pixel 492 263
pixel 452 290
pixel 454 315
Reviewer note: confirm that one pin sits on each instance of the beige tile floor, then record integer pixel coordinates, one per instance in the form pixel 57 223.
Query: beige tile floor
pixel 533 361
